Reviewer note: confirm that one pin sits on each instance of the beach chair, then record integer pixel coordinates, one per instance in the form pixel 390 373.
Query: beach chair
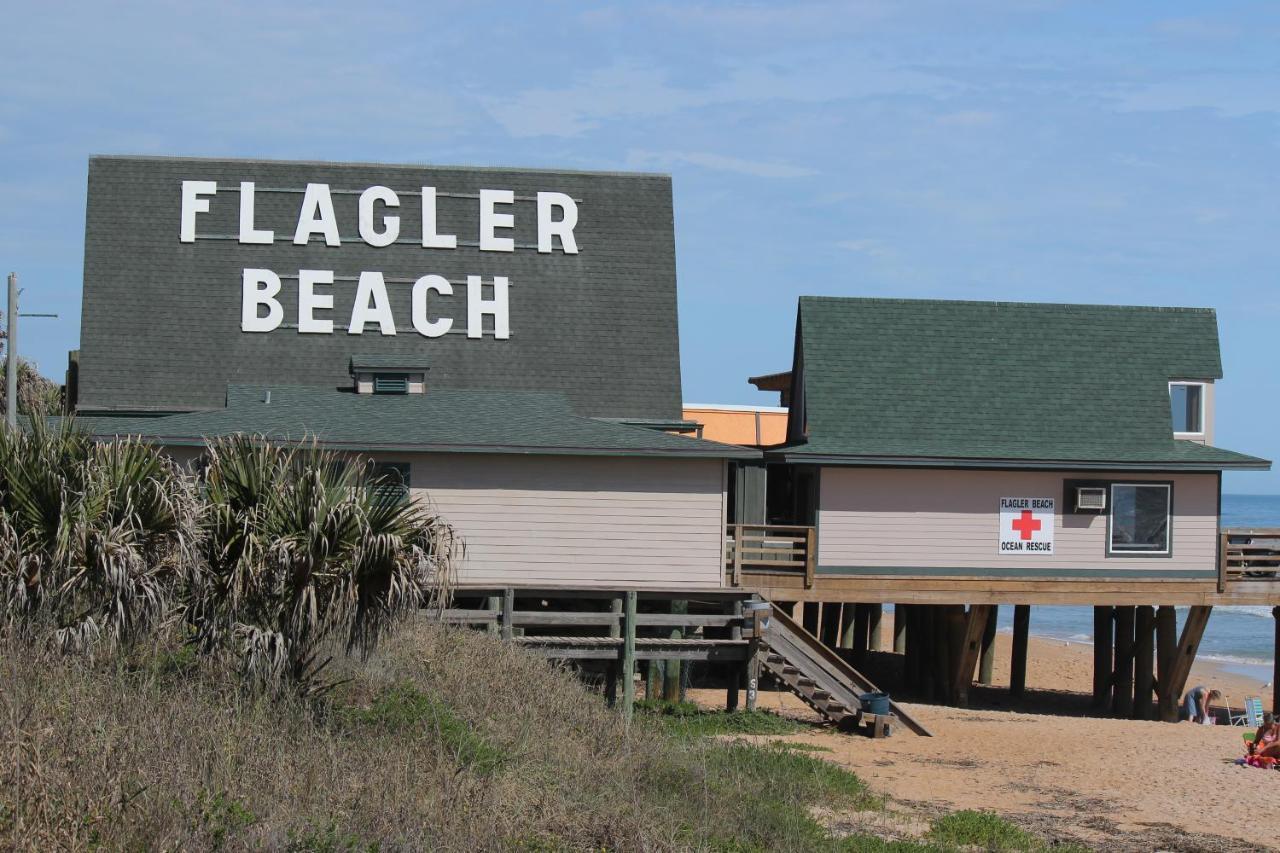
pixel 1252 716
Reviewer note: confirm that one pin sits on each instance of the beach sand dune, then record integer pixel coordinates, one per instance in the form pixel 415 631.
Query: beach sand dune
pixel 1113 784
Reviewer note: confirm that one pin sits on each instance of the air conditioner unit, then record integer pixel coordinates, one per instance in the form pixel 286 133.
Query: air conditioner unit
pixel 1091 498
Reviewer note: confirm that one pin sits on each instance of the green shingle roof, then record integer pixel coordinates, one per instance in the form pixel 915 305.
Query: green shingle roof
pixel 440 420
pixel 917 381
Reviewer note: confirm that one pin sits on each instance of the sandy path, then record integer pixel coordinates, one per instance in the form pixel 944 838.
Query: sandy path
pixel 1093 777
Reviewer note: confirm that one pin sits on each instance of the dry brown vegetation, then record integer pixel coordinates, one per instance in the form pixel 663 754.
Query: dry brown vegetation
pixel 447 739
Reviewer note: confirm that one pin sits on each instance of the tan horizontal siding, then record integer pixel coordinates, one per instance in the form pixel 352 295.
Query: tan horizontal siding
pixel 590 521
pixel 898 518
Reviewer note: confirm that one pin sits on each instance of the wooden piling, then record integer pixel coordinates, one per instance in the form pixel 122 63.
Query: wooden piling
pixel 1166 653
pixel 1122 704
pixel 494 603
pixel 987 663
pixel 973 625
pixel 829 631
pixel 1188 645
pixel 1275 668
pixel 737 674
pixel 671 671
pixel 846 625
pixel 1103 674
pixel 861 621
pixel 1018 656
pixel 899 629
pixel 1143 661
pixel 508 614
pixel 875 618
pixel 614 668
pixel 628 654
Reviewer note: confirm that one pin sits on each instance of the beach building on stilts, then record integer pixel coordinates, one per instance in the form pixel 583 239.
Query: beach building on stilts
pixel 502 344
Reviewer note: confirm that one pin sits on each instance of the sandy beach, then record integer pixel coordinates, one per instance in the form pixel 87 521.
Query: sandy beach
pixel 1114 784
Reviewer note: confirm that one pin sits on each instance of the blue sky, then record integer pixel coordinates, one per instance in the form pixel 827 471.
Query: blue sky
pixel 1008 150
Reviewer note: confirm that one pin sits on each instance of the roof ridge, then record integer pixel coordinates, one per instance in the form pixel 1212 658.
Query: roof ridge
pixel 997 303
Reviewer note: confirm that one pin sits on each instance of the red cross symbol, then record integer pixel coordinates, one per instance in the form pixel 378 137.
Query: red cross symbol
pixel 1026 525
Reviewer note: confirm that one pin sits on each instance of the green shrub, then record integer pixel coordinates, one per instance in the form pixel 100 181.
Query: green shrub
pixel 685 719
pixel 982 829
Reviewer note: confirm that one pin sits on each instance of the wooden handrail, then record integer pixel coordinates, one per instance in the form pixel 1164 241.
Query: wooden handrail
pixel 771 547
pixel 1243 558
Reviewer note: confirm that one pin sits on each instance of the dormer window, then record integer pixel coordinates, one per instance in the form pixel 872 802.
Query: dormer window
pixel 1187 402
pixel 389 374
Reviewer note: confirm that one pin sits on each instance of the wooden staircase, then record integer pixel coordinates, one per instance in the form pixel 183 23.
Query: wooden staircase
pixel 819 676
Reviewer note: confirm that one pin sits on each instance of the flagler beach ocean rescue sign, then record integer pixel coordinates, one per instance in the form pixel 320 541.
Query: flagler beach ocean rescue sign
pixel 1026 525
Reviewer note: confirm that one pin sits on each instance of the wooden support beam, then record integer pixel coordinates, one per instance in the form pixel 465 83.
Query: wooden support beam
pixel 829 624
pixel 987 663
pixel 1143 661
pixel 628 653
pixel 753 658
pixel 1275 669
pixel 653 680
pixel 613 671
pixel 1018 657
pixel 1188 645
pixel 899 629
pixel 861 622
pixel 875 618
pixel 1103 645
pixel 508 611
pixel 493 603
pixel 1166 654
pixel 940 664
pixel 846 625
pixel 737 673
pixel 974 626
pixel 671 673
pixel 1122 706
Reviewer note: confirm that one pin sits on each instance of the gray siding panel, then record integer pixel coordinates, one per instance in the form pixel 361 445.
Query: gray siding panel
pixel 580 520
pixel 909 518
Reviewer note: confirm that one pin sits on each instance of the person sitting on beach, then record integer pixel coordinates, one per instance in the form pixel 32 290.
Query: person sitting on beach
pixel 1195 705
pixel 1266 743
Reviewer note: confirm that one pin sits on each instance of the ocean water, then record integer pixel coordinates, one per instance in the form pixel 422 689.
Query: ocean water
pixel 1242 638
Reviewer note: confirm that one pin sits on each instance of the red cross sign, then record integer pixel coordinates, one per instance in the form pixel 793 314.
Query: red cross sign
pixel 1026 527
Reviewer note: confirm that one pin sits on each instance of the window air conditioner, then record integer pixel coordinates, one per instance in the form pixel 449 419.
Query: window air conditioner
pixel 1091 498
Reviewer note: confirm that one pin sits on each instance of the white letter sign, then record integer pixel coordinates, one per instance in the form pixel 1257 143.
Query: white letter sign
pixel 249 234
pixel 192 203
pixel 478 308
pixel 316 216
pixel 390 224
pixel 430 239
pixel 562 227
pixel 425 326
pixel 490 220
pixel 309 301
pixel 260 287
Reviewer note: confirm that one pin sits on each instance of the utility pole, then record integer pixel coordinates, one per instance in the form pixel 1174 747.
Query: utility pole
pixel 11 356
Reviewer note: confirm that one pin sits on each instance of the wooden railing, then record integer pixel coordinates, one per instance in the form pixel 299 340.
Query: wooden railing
pixel 786 548
pixel 1248 554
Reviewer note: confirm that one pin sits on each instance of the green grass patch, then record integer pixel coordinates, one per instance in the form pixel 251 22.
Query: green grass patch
pixel 982 829
pixel 403 708
pixel 798 746
pixel 685 719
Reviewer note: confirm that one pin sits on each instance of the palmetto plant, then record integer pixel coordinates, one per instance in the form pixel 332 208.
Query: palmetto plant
pixel 302 545
pixel 265 553
pixel 97 541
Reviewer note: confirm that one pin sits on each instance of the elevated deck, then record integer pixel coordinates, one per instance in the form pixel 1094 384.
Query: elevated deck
pixel 780 562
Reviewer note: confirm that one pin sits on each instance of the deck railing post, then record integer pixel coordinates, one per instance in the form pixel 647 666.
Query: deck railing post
pixel 493 604
pixel 1224 542
pixel 810 556
pixel 753 657
pixel 737 555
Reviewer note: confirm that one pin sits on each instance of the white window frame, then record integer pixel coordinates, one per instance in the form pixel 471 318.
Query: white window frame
pixel 1204 402
pixel 1112 551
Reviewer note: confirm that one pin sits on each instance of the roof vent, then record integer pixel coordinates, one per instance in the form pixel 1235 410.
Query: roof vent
pixel 382 374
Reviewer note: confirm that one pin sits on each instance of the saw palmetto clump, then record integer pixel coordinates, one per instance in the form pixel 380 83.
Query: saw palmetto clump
pixel 98 541
pixel 303 546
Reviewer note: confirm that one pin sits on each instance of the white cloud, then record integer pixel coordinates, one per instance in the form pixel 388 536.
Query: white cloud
pixel 638 158
pixel 866 246
pixel 629 90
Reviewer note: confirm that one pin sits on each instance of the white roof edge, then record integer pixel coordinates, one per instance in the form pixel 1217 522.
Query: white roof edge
pixel 722 407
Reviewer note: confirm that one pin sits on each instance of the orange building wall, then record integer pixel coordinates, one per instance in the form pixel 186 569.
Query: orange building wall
pixel 740 425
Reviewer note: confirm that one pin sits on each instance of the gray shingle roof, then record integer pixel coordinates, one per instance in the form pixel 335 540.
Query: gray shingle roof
pixel 440 420
pixel 984 382
pixel 389 362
